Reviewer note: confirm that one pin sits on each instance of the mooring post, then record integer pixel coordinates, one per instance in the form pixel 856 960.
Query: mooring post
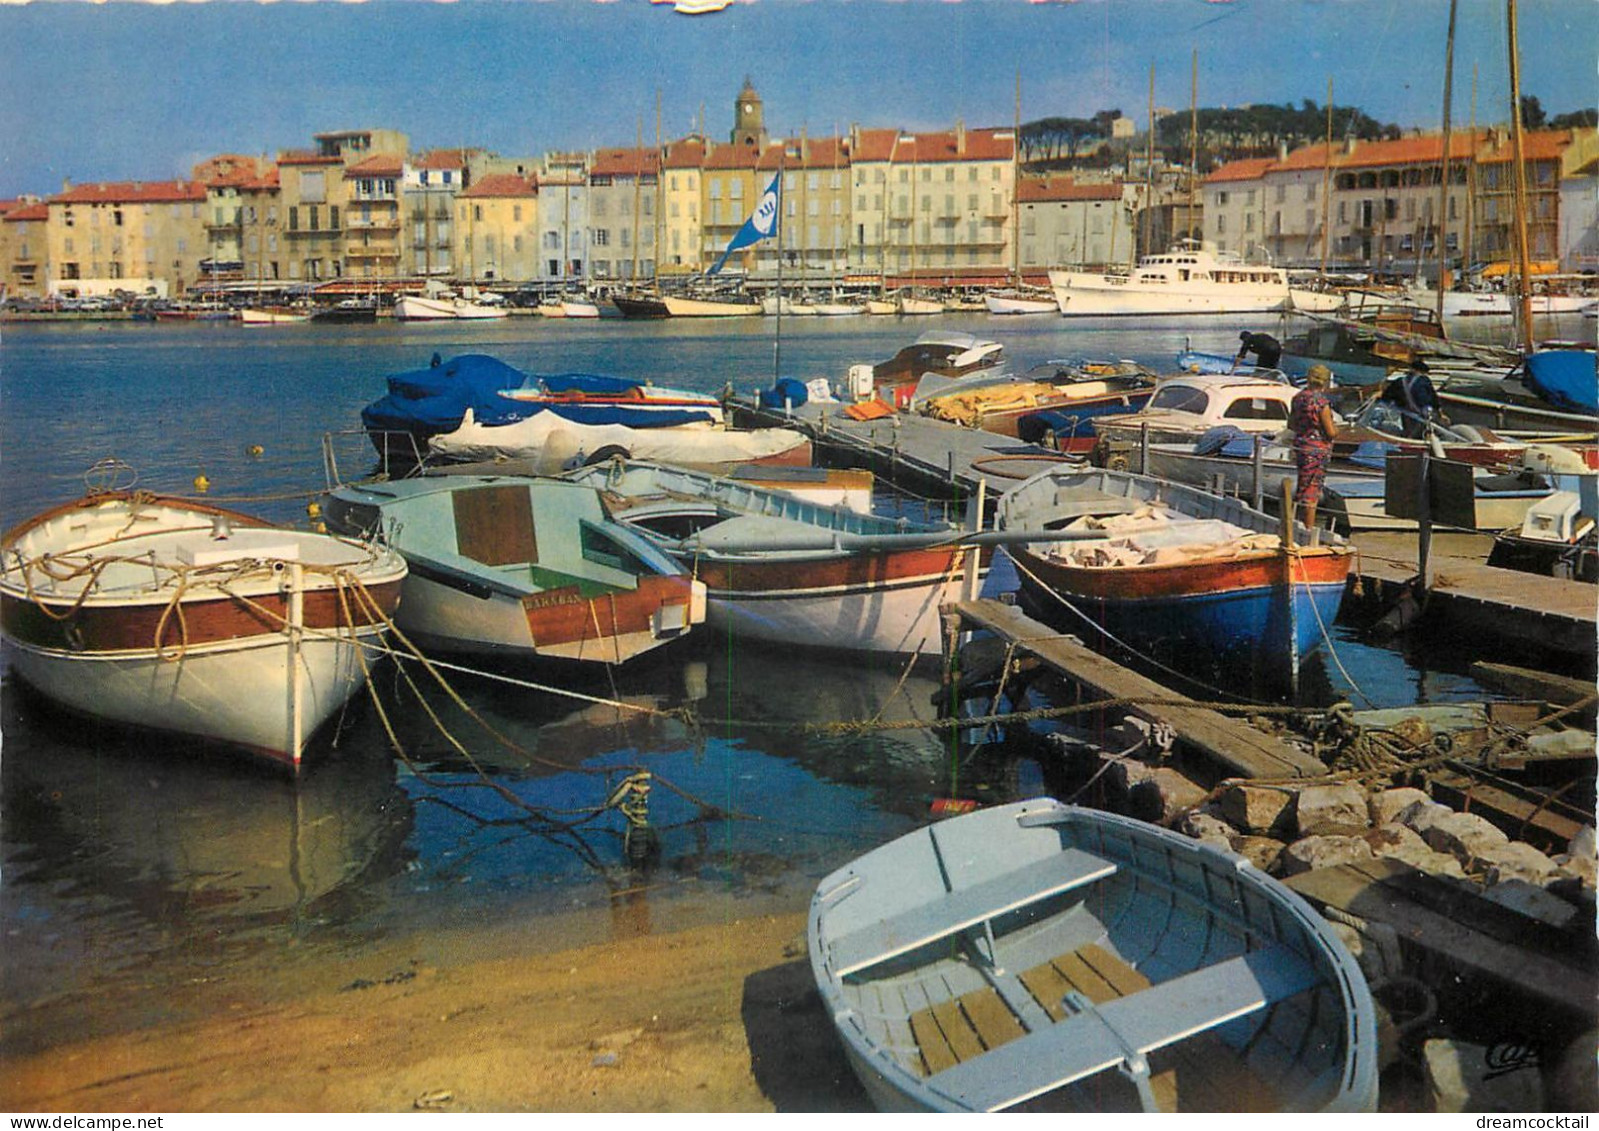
pixel 1258 462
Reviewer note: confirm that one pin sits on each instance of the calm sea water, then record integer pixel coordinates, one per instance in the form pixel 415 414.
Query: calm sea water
pixel 130 861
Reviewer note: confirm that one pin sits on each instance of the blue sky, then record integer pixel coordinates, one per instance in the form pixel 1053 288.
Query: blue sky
pixel 128 90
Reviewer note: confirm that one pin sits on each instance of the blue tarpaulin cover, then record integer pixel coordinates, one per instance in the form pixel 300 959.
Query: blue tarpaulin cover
pixel 790 390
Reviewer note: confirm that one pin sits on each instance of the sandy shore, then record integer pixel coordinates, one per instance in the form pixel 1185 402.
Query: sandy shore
pixel 711 1018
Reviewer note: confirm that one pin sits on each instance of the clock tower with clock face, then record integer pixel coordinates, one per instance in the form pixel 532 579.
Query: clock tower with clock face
pixel 748 118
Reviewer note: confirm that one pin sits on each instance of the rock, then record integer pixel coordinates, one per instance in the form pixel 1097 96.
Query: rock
pixel 433 1100
pixel 1414 731
pixel 1532 901
pixel 1203 826
pixel 1582 869
pixel 1466 1077
pixel 1584 844
pixel 1256 809
pixel 1125 773
pixel 1421 815
pixel 1321 809
pixel 1399 842
pixel 1314 852
pixel 1164 793
pixel 1516 860
pixel 1384 806
pixel 1465 836
pixel 1261 851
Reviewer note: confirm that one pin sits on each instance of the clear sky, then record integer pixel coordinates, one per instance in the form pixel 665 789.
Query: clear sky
pixel 128 90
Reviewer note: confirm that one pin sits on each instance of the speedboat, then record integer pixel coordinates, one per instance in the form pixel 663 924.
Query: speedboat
pixel 785 570
pixel 178 616
pixel 944 354
pixel 520 567
pixel 1044 957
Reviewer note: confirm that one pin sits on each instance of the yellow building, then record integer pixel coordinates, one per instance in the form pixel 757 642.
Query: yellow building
pixel 312 196
pixel 22 246
pixel 372 221
pixel 497 229
pixel 814 232
pixel 682 241
pixel 128 235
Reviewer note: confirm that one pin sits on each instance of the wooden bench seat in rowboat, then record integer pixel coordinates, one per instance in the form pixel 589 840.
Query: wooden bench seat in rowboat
pixel 1076 504
pixel 1110 1016
pixel 956 911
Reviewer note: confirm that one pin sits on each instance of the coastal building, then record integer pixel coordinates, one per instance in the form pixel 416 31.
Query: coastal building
pixel 430 183
pixel 871 153
pixel 1067 222
pixel 23 223
pixel 728 192
pixel 223 176
pixel 497 229
pixel 127 235
pixel 1579 208
pixel 312 192
pixel 261 226
pixel 563 217
pixel 1545 160
pixel 623 194
pixel 1235 207
pixel 683 165
pixel 373 242
pixel 815 216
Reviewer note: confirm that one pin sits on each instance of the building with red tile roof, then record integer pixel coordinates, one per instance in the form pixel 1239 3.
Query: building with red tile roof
pixel 1065 221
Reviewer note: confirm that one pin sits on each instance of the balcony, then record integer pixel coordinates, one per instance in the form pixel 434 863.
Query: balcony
pixel 376 224
pixel 313 233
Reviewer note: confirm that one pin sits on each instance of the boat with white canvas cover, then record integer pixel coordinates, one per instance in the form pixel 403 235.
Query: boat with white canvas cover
pixel 1191 278
pixel 786 570
pixel 1044 957
pixel 179 616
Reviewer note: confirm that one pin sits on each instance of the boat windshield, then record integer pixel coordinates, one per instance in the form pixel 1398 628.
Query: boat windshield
pixel 1180 398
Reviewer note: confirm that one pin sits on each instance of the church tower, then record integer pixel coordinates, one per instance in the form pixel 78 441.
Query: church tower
pixel 748 126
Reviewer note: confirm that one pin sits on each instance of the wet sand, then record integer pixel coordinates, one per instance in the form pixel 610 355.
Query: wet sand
pixel 720 1017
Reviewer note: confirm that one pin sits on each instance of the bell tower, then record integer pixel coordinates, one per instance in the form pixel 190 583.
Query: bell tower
pixel 748 118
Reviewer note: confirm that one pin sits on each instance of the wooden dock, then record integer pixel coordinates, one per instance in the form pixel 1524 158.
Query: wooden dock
pixel 936 457
pixel 1231 743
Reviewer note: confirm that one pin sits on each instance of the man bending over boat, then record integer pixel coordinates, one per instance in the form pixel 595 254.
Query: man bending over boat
pixel 1267 350
pixel 1310 418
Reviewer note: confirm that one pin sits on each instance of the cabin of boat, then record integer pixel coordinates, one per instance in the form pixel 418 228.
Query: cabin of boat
pixel 1185 407
pixel 942 353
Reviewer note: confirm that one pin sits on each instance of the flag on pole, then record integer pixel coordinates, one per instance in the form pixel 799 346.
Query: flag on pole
pixel 761 225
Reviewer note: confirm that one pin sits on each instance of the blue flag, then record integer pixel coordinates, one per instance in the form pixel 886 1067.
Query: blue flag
pixel 761 225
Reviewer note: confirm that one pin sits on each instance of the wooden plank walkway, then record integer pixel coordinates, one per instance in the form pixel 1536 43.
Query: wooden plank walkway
pixel 1231 743
pixel 1535 965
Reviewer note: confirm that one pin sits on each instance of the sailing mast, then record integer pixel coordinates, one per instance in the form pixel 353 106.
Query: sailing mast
pixel 1443 191
pixel 638 197
pixel 1518 155
pixel 1149 179
pixel 1326 181
pixel 660 197
pixel 1193 139
pixel 1015 189
pixel 1469 251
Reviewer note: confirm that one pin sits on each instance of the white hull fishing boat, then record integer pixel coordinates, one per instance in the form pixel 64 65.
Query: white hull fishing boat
pixel 521 568
pixel 1188 279
pixel 785 570
pixel 182 617
pixel 273 316
pixel 1042 957
pixel 685 306
pixel 417 308
pixel 1021 302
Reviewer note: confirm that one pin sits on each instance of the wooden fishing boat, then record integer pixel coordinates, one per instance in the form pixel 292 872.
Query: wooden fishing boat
pixel 178 616
pixel 528 568
pixel 1073 393
pixel 786 570
pixel 1044 957
pixel 1172 571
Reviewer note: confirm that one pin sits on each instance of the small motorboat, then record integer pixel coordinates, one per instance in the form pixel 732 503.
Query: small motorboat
pixel 177 616
pixel 1184 408
pixel 1170 571
pixel 422 308
pixel 1565 375
pixel 943 354
pixel 785 570
pixel 1043 957
pixel 520 567
pixel 556 442
pixel 1072 393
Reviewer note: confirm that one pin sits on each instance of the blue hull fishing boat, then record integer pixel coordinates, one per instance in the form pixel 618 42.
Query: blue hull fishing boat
pixel 1042 957
pixel 1565 376
pixel 1170 571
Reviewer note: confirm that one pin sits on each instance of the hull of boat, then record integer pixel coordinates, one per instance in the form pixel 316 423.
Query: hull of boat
pixel 579 310
pixel 411 308
pixel 638 306
pixel 273 317
pixel 447 611
pixel 680 307
pixel 881 306
pixel 918 306
pixel 1069 420
pixel 557 442
pixel 837 309
pixel 999 304
pixel 336 317
pixel 878 602
pixel 1065 959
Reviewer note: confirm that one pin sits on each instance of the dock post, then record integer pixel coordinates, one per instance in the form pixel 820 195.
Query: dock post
pixel 1143 448
pixel 1258 463
pixel 972 582
pixel 1424 521
pixel 1287 515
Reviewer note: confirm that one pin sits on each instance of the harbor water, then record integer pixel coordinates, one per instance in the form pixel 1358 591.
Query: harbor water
pixel 135 865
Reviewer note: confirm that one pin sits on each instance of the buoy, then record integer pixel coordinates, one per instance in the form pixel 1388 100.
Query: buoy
pixel 255 450
pixel 314 509
pixel 201 483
